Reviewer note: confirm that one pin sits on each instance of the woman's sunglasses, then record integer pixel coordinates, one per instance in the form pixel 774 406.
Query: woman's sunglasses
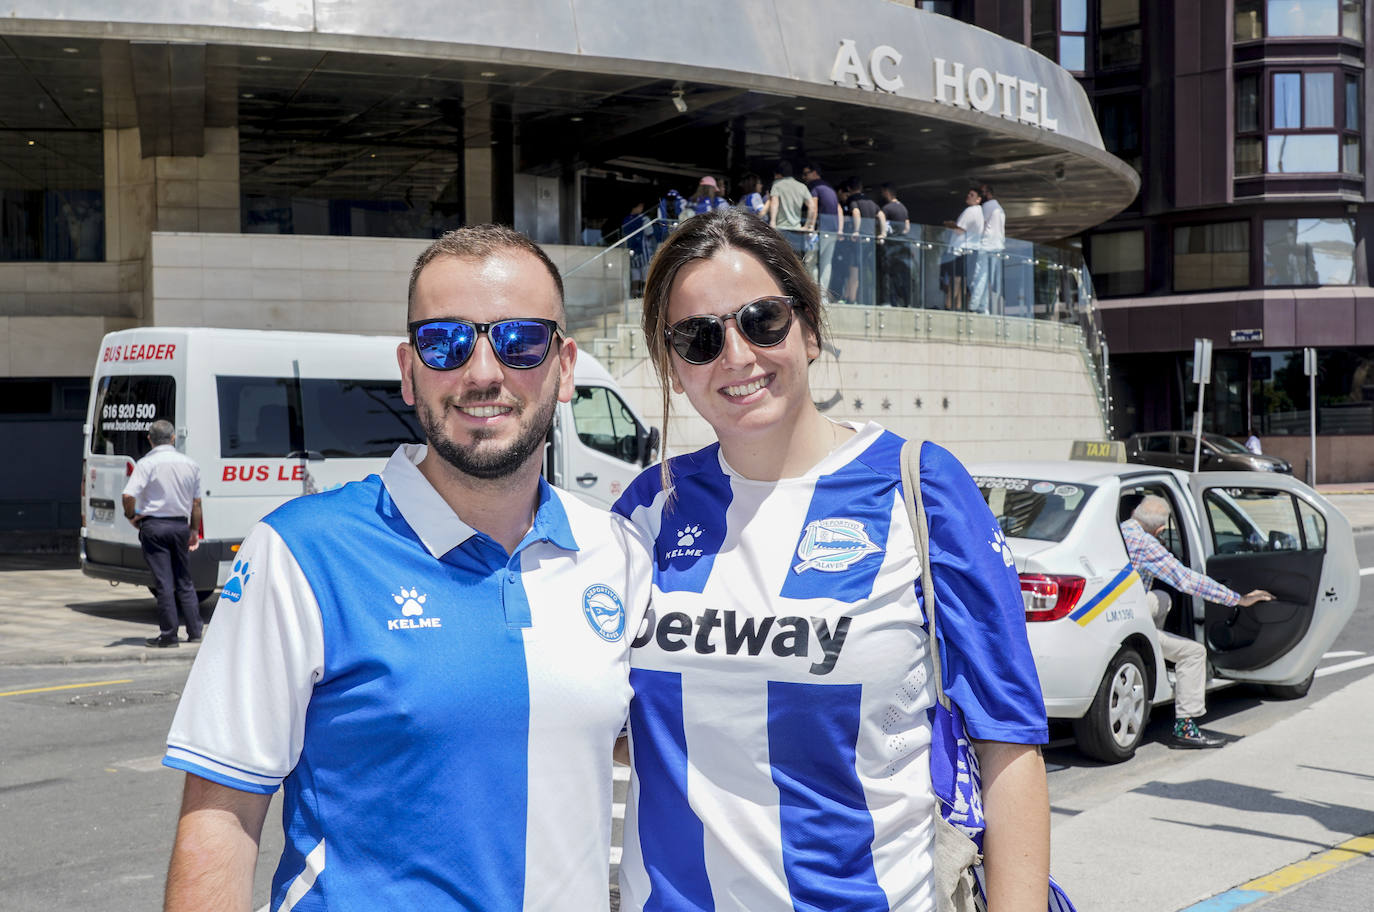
pixel 701 339
pixel 446 345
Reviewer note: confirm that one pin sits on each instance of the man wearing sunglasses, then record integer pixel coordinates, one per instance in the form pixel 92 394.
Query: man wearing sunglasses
pixel 431 663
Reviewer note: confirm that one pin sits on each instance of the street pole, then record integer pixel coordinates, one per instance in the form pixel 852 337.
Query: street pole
pixel 1309 367
pixel 1202 373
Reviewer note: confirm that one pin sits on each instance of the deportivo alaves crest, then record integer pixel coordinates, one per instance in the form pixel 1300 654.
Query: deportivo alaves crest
pixel 832 545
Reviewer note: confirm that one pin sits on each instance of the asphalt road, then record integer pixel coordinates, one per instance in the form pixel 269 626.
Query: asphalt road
pixel 87 812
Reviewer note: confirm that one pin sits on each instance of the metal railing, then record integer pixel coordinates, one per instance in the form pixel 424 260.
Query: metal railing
pixel 929 268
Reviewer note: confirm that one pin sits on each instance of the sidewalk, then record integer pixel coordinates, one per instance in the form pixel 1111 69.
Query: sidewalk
pixel 51 614
pixel 1356 501
pixel 1200 837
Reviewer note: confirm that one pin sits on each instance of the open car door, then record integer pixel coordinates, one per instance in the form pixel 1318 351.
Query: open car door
pixel 1273 532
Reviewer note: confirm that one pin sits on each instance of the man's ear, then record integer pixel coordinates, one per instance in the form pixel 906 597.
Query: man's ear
pixel 403 356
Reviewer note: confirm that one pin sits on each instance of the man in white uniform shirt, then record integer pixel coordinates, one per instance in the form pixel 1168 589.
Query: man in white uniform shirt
pixel 162 500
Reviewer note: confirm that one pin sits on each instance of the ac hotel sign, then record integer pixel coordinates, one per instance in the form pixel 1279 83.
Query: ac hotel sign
pixel 955 83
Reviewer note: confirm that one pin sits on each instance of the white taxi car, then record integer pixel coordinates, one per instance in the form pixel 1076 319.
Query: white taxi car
pixel 1094 642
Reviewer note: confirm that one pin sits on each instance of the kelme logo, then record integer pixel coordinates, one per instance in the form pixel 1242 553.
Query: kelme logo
pixel 233 590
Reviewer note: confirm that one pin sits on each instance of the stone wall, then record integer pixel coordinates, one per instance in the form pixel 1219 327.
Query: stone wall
pixel 302 282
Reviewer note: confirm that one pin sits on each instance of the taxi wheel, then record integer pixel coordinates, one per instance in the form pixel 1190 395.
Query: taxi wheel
pixel 1112 728
pixel 1291 691
pixel 203 595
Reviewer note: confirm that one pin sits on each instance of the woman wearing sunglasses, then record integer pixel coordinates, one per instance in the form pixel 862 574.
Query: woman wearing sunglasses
pixel 779 728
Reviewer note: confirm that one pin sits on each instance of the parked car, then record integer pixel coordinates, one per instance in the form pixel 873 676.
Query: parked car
pixel 1089 625
pixel 1174 450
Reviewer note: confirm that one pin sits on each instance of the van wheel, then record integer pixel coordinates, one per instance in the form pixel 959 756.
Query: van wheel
pixel 204 595
pixel 1112 728
pixel 1291 691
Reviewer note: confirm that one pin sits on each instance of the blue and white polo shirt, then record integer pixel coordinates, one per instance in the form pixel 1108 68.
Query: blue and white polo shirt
pixel 439 714
pixel 779 730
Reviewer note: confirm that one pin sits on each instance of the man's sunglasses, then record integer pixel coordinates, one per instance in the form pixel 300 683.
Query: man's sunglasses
pixel 446 345
pixel 701 339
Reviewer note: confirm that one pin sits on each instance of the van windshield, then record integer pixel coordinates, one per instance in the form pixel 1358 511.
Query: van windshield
pixel 1033 508
pixel 124 408
pixel 281 417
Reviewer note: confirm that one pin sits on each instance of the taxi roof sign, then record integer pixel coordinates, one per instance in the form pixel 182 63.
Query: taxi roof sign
pixel 1099 450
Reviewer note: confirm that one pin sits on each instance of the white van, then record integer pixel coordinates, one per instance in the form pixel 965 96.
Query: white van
pixel 273 415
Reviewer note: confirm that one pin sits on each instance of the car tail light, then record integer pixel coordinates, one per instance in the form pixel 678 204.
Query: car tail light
pixel 128 469
pixel 1049 598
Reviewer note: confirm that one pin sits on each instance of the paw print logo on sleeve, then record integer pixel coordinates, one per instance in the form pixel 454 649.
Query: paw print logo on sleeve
pixel 998 543
pixel 233 590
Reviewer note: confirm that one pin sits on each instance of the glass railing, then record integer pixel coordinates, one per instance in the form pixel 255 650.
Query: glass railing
pixel 928 268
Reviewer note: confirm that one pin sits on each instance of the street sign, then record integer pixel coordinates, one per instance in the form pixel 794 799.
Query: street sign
pixel 1309 362
pixel 1202 374
pixel 1247 335
pixel 1202 360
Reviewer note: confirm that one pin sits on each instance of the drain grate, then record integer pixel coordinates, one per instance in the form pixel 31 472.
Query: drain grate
pixel 118 699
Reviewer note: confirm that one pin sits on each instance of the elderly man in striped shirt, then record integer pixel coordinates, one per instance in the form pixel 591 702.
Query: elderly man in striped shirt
pixel 1154 562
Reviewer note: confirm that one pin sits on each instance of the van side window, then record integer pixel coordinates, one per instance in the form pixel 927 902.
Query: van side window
pixel 604 423
pixel 124 408
pixel 258 417
pixel 356 418
pixel 279 417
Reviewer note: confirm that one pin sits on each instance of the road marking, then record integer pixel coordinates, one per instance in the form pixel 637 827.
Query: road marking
pixel 39 690
pixel 1265 887
pixel 151 764
pixel 1345 666
pixel 1365 571
pixel 1340 655
pixel 618 773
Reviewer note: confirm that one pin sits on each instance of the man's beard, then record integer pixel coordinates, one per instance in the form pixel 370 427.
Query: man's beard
pixel 500 463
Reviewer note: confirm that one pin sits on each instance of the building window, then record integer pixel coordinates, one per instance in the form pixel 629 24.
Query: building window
pixel 1059 30
pixel 1118 117
pixel 52 196
pixel 1249 139
pixel 1280 398
pixel 1212 256
pixel 1309 123
pixel 337 188
pixel 1309 251
pixel 1118 263
pixel 1118 36
pixel 1299 19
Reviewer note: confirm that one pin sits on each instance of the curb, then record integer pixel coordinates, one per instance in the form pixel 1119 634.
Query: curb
pixel 41 658
pixel 1293 875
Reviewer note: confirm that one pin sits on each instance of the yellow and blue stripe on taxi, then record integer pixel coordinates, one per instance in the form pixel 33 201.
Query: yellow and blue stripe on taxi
pixel 1086 613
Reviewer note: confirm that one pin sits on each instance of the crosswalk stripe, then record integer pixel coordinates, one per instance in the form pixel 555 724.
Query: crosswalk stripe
pixel 1345 666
